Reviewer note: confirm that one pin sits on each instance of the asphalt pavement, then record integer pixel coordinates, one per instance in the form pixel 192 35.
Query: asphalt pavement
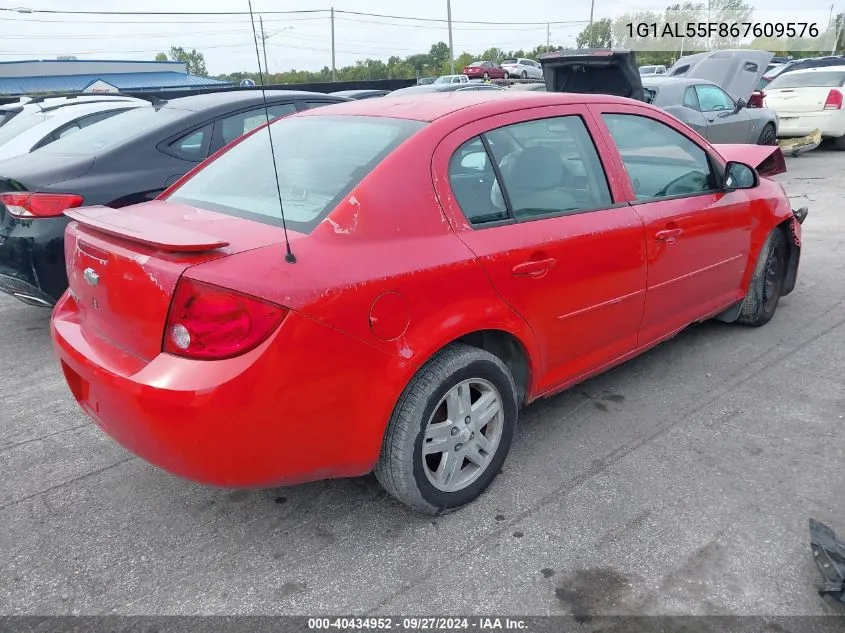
pixel 679 483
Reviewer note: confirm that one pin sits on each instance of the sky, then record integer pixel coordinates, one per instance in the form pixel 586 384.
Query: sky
pixel 303 41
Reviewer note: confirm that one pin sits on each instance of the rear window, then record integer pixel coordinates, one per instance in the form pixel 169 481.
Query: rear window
pixel 821 79
pixel 20 124
pixel 116 131
pixel 6 116
pixel 319 159
pixel 509 61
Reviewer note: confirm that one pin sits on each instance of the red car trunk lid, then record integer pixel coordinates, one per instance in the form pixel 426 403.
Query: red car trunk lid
pixel 123 265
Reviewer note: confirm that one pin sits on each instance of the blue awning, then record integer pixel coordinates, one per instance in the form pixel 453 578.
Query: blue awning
pixel 125 82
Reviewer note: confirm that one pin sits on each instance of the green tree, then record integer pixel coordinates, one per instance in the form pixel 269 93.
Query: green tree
pixel 597 35
pixel 438 55
pixel 193 59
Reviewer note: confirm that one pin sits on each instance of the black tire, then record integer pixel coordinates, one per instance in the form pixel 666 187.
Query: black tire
pixel 766 287
pixel 768 135
pixel 525 74
pixel 401 468
pixel 486 76
pixel 838 143
pixel 507 75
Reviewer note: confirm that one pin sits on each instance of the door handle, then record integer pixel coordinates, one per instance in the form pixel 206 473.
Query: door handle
pixel 533 268
pixel 668 235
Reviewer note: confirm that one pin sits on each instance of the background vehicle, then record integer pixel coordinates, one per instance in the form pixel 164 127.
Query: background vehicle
pixel 429 389
pixel 121 161
pixel 800 64
pixel 712 112
pixel 593 71
pixel 647 71
pixel 533 87
pixel 485 70
pixel 360 94
pixel 435 88
pixel 35 126
pixel 424 81
pixel 808 100
pixel 451 79
pixel 524 68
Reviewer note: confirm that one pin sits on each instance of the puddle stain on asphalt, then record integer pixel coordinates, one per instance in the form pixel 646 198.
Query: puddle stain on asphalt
pixel 590 592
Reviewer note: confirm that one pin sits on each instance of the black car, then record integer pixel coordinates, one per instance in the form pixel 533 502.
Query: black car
pixel 435 88
pixel 129 158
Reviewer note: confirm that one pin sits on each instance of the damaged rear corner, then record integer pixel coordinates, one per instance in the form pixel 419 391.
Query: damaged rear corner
pixel 829 556
pixel 792 229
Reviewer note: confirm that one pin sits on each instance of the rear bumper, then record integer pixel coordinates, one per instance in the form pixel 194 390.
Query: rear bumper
pixel 282 414
pixel 32 259
pixel 830 123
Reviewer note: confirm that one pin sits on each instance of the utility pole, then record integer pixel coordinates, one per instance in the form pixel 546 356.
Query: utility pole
pixel 590 28
pixel 451 48
pixel 264 37
pixel 334 68
pixel 548 36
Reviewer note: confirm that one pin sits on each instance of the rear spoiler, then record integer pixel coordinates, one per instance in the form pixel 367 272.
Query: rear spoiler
pixel 126 225
pixel 768 160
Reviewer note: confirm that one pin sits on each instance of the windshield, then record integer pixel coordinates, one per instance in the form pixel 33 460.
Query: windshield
pixel 475 64
pixel 648 70
pixel 20 124
pixel 445 79
pixel 320 159
pixel 509 61
pixel 822 79
pixel 115 131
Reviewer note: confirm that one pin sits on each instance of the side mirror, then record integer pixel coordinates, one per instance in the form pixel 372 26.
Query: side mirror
pixel 740 104
pixel 740 176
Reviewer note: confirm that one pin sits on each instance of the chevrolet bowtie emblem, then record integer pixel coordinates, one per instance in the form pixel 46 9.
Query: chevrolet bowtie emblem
pixel 91 277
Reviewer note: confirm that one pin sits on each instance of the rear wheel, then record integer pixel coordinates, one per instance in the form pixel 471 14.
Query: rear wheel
pixel 507 75
pixel 768 136
pixel 838 143
pixel 766 287
pixel 450 432
pixel 525 74
pixel 486 76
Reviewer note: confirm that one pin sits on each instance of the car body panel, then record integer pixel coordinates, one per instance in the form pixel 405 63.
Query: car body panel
pixel 613 72
pixel 192 417
pixel 477 70
pixel 522 67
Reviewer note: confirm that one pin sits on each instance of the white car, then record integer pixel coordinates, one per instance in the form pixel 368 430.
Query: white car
pixel 809 100
pixel 451 79
pixel 651 71
pixel 523 68
pixel 26 127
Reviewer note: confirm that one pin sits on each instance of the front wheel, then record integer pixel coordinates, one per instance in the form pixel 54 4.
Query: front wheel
pixel 766 287
pixel 486 76
pixel 525 74
pixel 768 136
pixel 507 76
pixel 450 432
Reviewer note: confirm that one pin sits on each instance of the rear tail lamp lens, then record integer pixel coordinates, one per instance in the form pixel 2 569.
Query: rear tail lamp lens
pixel 208 322
pixel 39 205
pixel 833 101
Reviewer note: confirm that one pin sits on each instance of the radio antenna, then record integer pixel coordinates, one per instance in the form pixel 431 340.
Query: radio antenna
pixel 290 258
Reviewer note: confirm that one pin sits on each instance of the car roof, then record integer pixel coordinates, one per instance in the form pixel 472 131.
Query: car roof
pixel 818 69
pixel 433 106
pixel 225 99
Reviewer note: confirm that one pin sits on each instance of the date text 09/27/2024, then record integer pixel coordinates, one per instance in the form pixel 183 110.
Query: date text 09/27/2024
pixel 417 623
pixel 722 29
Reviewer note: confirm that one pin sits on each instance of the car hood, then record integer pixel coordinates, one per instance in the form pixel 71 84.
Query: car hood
pixel 738 72
pixel 38 170
pixel 593 71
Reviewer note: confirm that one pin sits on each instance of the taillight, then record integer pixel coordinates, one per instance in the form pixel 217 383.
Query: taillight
pixel 833 101
pixel 208 322
pixel 39 205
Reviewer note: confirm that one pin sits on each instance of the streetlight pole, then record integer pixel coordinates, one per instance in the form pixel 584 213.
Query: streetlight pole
pixel 264 37
pixel 334 68
pixel 451 48
pixel 590 28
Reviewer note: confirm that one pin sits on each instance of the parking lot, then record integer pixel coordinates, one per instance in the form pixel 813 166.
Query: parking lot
pixel 679 483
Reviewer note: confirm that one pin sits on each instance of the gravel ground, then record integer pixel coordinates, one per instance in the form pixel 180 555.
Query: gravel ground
pixel 679 483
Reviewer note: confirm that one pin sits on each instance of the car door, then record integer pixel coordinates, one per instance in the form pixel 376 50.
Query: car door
pixel 725 123
pixel 698 236
pixel 528 193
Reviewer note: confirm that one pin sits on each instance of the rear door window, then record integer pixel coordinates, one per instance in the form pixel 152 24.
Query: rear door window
pixel 236 125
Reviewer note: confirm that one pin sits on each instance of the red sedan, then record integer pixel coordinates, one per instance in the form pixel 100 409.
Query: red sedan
pixel 485 70
pixel 448 260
